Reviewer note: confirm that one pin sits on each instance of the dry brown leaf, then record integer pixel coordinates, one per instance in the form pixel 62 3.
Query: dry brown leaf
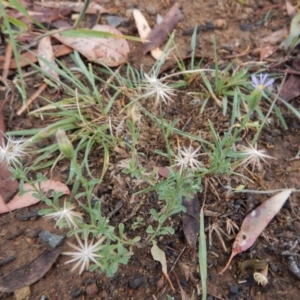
pixel 28 198
pixel 267 51
pixel 144 30
pixel 26 58
pixel 190 222
pixel 93 8
pixel 109 51
pixel 161 32
pixel 275 37
pixel 255 222
pixel 8 186
pixel 46 57
pixel 30 273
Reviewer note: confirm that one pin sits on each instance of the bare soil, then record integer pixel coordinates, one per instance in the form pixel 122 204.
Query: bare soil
pixel 20 238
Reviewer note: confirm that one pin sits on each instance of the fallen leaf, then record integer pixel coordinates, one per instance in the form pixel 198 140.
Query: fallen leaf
pixel 109 51
pixel 160 256
pixel 93 8
pixel 37 13
pixel 144 30
pixel 161 32
pixel 267 51
pixel 28 198
pixel 46 57
pixel 30 273
pixel 31 57
pixel 8 186
pixel 190 222
pixel 291 88
pixel 275 37
pixel 255 223
pixel 163 171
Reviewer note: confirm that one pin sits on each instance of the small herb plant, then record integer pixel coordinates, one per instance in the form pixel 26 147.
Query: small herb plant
pixel 104 112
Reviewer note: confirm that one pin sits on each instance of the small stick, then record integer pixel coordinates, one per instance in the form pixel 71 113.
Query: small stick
pixel 32 98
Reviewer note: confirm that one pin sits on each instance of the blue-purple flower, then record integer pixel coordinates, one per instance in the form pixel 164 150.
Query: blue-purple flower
pixel 262 82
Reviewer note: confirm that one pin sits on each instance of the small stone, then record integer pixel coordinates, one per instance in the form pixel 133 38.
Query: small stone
pixel 220 24
pixel 92 289
pixel 114 21
pixel 76 293
pixel 234 289
pixel 33 233
pixel 53 240
pixel 136 282
pixel 150 10
pixel 23 293
pixel 273 268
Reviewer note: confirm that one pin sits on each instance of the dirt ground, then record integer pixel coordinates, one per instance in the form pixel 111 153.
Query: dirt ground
pixel 139 279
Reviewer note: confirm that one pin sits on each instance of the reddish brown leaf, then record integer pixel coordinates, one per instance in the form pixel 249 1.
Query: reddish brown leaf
pixel 291 88
pixel 28 198
pixel 8 186
pixel 26 57
pixel 93 8
pixel 266 51
pixel 161 32
pixel 254 224
pixel 144 30
pixel 190 220
pixel 30 273
pixel 163 171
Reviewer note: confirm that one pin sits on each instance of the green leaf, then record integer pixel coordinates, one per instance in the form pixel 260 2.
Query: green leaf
pixel 292 39
pixel 89 33
pixel 154 213
pixel 22 10
pixel 150 229
pixel 17 23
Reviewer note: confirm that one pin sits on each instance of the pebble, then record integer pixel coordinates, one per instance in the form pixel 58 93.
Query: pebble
pixel 220 24
pixel 23 293
pixel 114 21
pixel 234 289
pixel 92 289
pixel 53 240
pixel 150 10
pixel 274 268
pixel 76 293
pixel 136 282
pixel 33 233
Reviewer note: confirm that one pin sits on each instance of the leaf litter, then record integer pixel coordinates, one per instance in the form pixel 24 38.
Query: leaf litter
pixel 254 224
pixel 29 198
pixel 29 273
